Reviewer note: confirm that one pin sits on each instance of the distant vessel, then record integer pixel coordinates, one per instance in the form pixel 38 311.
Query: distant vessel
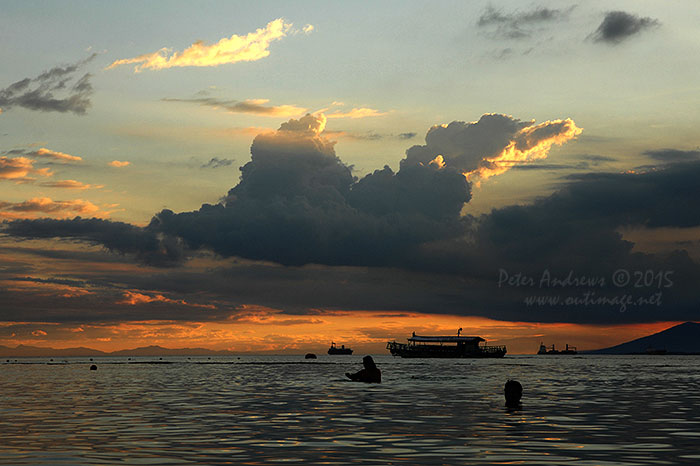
pixel 342 350
pixel 445 347
pixel 552 350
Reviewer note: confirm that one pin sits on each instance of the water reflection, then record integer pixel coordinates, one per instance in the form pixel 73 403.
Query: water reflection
pixel 612 410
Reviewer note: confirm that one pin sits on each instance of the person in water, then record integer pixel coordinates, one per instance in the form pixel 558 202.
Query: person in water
pixel 513 392
pixel 370 374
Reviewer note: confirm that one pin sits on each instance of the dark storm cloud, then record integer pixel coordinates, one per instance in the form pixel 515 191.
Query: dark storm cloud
pixel 574 229
pixel 620 25
pixel 60 89
pixel 520 24
pixel 149 246
pixel 673 155
pixel 396 240
pixel 298 203
pixel 216 162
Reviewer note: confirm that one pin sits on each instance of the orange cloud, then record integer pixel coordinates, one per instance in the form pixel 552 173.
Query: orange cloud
pixel 119 164
pixel 44 152
pixel 133 298
pixel 46 205
pixel 529 144
pixel 18 168
pixel 250 47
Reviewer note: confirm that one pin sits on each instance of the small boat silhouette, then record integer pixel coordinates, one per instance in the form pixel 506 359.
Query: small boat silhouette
pixel 342 350
pixel 551 350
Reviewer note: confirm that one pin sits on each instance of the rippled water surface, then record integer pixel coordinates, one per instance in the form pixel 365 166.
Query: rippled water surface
pixel 588 410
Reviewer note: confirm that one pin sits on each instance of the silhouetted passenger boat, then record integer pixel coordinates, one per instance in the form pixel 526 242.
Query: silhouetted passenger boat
pixel 342 350
pixel 445 347
pixel 552 350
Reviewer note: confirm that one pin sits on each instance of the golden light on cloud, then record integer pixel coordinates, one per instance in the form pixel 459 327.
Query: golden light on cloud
pixel 119 164
pixel 251 47
pixel 529 144
pixel 438 162
pixel 44 152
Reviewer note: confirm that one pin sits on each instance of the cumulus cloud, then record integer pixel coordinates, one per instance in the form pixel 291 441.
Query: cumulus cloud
pixel 251 47
pixel 119 164
pixel 618 26
pixel 490 146
pixel 60 89
pixel 519 24
pixel 251 106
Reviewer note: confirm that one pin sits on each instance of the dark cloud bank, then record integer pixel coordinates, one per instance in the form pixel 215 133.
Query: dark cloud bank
pixel 620 25
pixel 60 89
pixel 297 203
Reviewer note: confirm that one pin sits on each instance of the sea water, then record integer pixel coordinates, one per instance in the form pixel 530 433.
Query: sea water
pixel 613 410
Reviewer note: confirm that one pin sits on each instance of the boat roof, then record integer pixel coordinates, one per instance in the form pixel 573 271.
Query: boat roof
pixel 444 339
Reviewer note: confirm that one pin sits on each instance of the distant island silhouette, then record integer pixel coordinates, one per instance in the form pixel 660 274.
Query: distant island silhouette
pixel 41 351
pixel 680 339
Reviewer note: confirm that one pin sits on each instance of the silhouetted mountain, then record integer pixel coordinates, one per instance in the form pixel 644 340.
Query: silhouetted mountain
pixel 160 351
pixel 681 339
pixel 23 351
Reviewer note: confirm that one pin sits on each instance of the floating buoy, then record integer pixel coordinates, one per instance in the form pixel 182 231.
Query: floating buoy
pixel 93 367
pixel 310 356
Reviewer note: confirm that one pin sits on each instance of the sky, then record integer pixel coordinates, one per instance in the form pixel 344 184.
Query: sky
pixel 273 176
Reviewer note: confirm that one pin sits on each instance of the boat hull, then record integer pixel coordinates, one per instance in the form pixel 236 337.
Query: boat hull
pixel 434 351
